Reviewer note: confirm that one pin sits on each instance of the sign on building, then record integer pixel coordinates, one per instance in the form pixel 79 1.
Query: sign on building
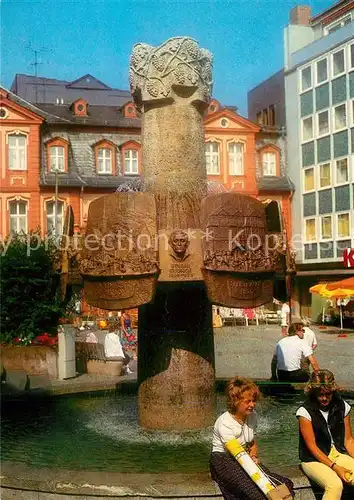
pixel 348 257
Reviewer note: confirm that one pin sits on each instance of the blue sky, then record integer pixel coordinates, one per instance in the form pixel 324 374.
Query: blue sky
pixel 75 38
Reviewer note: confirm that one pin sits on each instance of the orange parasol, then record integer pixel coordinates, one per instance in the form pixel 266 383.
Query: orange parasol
pixel 335 292
pixel 347 284
pixel 321 289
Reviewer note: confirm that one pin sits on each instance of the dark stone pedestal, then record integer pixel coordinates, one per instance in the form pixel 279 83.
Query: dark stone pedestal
pixel 176 359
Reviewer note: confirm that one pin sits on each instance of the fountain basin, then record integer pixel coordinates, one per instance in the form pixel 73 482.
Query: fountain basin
pixel 90 445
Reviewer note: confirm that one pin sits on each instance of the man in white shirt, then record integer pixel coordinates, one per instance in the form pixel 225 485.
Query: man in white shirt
pixel 310 337
pixel 113 348
pixel 286 362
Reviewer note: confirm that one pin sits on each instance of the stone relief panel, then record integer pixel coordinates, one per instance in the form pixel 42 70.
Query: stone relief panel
pixel 236 228
pixel 121 234
pixel 120 244
pixel 179 62
pixel 236 257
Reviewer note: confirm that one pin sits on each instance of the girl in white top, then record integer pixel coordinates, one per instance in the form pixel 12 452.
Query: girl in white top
pixel 237 426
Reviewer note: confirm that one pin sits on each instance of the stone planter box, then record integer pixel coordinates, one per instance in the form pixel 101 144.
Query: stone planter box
pixel 90 358
pixel 96 367
pixel 34 360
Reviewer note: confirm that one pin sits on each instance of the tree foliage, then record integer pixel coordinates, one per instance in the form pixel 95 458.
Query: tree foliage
pixel 29 291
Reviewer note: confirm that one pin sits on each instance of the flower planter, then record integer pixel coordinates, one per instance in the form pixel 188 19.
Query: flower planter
pixel 32 359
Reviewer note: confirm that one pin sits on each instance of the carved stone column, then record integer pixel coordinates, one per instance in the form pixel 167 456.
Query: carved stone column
pixel 171 84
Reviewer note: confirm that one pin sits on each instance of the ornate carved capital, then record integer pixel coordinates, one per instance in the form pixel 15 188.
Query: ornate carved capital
pixel 177 67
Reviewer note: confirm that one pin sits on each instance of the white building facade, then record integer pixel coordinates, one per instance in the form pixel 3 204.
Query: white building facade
pixel 319 104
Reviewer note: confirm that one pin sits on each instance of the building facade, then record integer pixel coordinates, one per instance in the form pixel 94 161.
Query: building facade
pixel 247 157
pixel 20 152
pixel 319 104
pixel 63 150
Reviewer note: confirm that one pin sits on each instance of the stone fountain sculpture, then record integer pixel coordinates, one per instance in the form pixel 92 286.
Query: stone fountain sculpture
pixel 171 249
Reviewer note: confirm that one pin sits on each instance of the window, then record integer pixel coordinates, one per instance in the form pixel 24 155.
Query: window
pixel 309 179
pixel 212 158
pixel 17 152
pixel 340 117
pixel 52 220
pixel 338 62
pixel 236 158
pixel 269 164
pixel 322 123
pixel 57 163
pixel 321 71
pixel 343 229
pixel 131 161
pixel 224 122
pixel 259 117
pixel 104 158
pixel 3 113
pixel 337 25
pixel 351 57
pixel 306 78
pixel 272 115
pixel 342 174
pixel 310 229
pixel 325 175
pixel 265 117
pixel 307 129
pixel 18 216
pixel 326 227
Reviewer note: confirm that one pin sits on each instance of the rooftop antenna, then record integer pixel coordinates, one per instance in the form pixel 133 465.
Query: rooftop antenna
pixel 35 63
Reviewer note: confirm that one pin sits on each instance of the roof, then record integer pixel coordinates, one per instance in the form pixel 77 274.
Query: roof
pixel 109 116
pixel 74 179
pixel 31 107
pixel 336 10
pixel 48 90
pixel 270 183
pixel 82 158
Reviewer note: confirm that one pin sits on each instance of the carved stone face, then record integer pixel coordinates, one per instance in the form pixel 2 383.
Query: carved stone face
pixel 179 243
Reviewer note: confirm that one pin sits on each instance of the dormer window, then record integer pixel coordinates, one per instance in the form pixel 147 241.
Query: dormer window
pixel 270 160
pixel 131 156
pixel 57 155
pixel 269 164
pixel 214 106
pixel 104 164
pixel 105 154
pixel 57 158
pixel 131 162
pixel 129 110
pixel 80 107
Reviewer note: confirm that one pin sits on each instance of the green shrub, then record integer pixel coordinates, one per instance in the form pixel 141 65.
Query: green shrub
pixel 29 288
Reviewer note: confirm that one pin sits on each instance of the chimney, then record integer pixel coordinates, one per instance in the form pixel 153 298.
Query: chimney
pixel 301 15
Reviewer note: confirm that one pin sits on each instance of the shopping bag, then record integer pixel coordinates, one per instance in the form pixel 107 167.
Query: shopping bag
pixel 280 492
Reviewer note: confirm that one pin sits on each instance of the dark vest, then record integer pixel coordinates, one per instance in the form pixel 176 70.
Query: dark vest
pixel 320 429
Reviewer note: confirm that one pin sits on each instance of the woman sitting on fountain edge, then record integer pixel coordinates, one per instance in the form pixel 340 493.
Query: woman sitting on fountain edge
pixel 326 443
pixel 238 424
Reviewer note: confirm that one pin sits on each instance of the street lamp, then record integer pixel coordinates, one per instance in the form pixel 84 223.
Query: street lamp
pixel 54 168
